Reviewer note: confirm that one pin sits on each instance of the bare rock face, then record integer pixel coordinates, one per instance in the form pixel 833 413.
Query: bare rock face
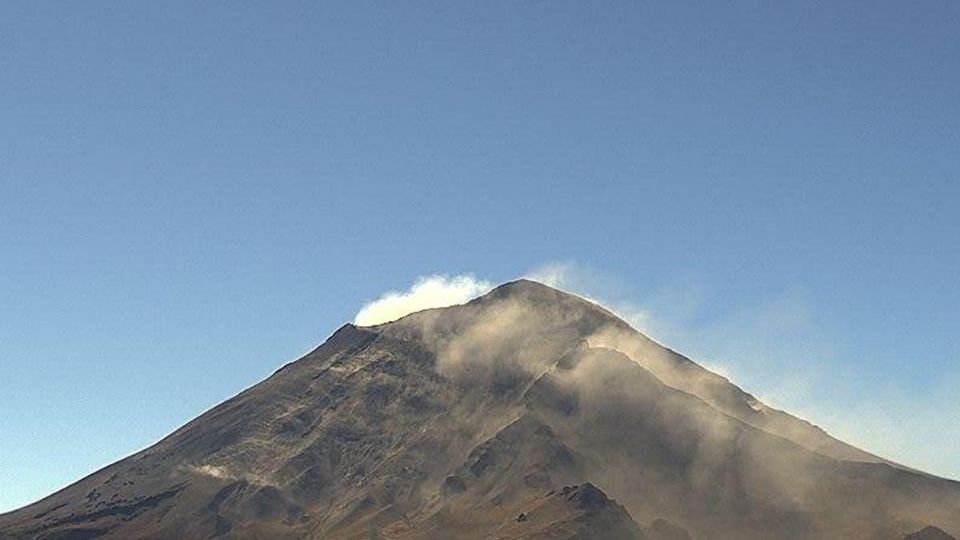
pixel 929 533
pixel 577 512
pixel 525 414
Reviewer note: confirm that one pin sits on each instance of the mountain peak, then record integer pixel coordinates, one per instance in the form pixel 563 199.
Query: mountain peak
pixel 528 289
pixel 522 283
pixel 587 496
pixel 538 295
pixel 929 533
pixel 454 422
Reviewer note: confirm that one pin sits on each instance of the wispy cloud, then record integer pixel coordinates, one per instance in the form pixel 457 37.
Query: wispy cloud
pixel 582 282
pixel 774 348
pixel 427 292
pixel 916 429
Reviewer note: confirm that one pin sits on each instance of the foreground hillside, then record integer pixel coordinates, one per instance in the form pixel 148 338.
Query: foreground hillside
pixel 526 414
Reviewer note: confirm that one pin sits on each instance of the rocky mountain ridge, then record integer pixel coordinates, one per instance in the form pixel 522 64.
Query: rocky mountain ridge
pixel 526 413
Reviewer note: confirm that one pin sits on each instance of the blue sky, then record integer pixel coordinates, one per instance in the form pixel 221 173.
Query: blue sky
pixel 193 194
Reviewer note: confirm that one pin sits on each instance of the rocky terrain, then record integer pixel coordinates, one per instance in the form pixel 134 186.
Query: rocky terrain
pixel 526 414
pixel 929 533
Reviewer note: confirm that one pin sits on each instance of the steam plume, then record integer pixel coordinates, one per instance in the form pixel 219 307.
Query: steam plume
pixel 427 292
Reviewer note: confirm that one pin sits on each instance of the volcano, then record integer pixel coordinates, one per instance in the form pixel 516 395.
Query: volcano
pixel 527 413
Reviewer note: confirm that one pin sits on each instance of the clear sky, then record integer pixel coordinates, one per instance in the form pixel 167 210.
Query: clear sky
pixel 192 194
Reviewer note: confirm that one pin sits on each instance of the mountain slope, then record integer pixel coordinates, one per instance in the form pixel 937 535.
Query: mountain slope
pixel 929 533
pixel 453 422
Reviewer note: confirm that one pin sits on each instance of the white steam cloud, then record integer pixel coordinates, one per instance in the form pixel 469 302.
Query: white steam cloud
pixel 427 292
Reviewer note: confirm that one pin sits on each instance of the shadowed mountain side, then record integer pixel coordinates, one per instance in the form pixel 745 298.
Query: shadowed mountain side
pixel 454 421
pixel 929 533
pixel 575 513
pixel 571 513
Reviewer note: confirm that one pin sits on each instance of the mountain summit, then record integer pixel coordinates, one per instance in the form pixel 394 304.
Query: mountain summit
pixel 527 413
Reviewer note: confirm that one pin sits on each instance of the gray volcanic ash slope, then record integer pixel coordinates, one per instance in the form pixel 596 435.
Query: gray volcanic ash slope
pixel 527 413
